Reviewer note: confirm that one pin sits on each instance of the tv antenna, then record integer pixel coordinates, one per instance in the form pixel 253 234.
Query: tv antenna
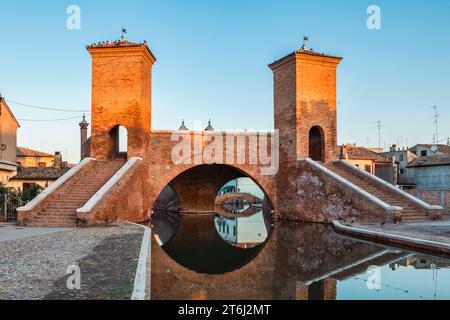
pixel 436 119
pixel 379 126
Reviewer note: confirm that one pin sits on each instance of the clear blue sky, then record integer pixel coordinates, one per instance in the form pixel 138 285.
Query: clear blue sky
pixel 213 56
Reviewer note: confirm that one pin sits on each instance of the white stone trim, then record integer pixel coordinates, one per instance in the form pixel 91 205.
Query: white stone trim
pixel 140 279
pixel 421 203
pixel 98 196
pixel 387 236
pixel 54 186
pixel 352 186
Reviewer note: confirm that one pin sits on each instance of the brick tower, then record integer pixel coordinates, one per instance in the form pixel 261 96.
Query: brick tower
pixel 305 105
pixel 305 117
pixel 121 96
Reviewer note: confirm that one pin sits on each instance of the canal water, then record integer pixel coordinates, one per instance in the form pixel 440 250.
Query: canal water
pixel 240 253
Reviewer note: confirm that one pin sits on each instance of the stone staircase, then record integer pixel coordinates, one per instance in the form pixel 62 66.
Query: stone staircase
pixel 60 210
pixel 411 212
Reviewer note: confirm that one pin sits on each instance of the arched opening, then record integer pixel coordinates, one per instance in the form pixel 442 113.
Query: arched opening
pixel 316 144
pixel 197 188
pixel 118 142
pixel 203 236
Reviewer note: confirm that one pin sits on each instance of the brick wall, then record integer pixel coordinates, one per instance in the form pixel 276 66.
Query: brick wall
pixel 305 96
pixel 121 95
pixel 434 197
pixel 310 195
pixel 126 201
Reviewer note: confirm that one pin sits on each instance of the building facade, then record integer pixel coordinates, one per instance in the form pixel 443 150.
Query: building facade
pixel 41 176
pixel 426 150
pixel 432 180
pixel 8 142
pixel 368 160
pixel 401 158
pixel 37 168
pixel 29 158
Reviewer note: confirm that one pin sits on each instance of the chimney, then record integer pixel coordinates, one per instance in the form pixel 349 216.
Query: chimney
pixel 57 163
pixel 341 152
pixel 394 148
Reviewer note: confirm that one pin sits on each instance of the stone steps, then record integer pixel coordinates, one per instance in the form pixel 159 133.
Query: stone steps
pixel 410 212
pixel 61 212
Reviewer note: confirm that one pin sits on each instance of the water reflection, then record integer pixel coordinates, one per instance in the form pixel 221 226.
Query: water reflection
pixel 211 243
pixel 235 208
pixel 290 261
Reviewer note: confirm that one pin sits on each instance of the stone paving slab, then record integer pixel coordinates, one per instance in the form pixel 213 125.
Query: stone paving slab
pixel 10 231
pixel 431 238
pixel 35 267
pixel 438 231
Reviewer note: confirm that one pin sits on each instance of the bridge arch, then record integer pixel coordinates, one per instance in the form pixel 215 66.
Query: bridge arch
pixel 196 188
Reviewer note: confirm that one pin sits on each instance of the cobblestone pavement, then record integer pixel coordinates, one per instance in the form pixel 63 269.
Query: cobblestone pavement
pixel 438 231
pixel 35 268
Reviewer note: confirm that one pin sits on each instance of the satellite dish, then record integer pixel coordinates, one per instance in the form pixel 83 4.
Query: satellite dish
pixel 434 148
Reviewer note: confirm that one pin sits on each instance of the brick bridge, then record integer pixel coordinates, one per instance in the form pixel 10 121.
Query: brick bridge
pixel 311 184
pixel 247 197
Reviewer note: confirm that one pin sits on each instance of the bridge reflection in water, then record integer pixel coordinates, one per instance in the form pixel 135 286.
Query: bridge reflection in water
pixel 200 256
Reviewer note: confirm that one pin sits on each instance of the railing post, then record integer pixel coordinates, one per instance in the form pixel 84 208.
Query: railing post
pixel 6 207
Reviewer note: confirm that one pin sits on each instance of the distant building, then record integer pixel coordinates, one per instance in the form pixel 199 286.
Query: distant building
pixel 227 228
pixel 431 173
pixel 42 176
pixel 426 150
pixel 401 158
pixel 243 232
pixel 8 142
pixel 39 168
pixel 368 160
pixel 29 158
pixel 432 180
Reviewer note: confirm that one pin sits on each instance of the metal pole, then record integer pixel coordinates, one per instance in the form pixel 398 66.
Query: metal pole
pixel 6 207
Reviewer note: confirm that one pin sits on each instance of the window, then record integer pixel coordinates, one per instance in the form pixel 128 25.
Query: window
pixel 401 158
pixel 423 153
pixel 27 185
pixel 402 171
pixel 42 164
pixel 368 168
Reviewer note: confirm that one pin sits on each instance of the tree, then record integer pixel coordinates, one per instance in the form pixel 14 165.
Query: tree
pixel 3 188
pixel 30 193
